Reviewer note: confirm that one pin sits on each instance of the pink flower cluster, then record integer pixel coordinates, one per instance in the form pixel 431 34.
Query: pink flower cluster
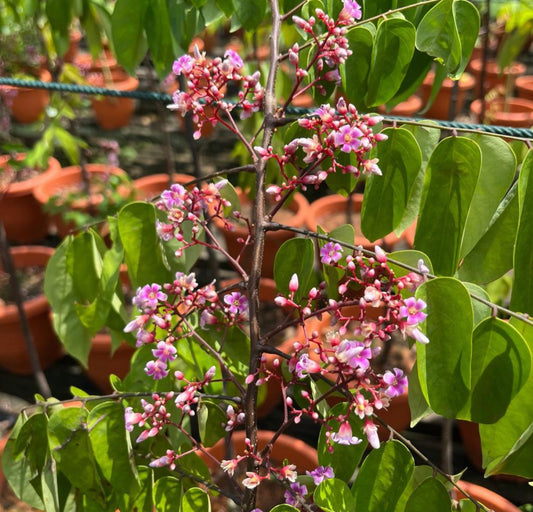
pixel 335 132
pixel 345 355
pixel 206 84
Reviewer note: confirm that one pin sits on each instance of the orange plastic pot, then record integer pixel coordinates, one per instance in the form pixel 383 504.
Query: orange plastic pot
pixel 113 113
pixel 524 87
pixel 441 105
pixel 70 177
pixel 329 212
pixel 22 215
pixel 13 353
pixel 286 447
pixel 148 187
pixel 490 499
pixel 406 108
pixel 493 77
pixel 27 105
pixel 102 364
pixel 294 215
pixel 517 112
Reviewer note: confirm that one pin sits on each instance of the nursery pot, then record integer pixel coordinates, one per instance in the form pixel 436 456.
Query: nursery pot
pixel 22 215
pixel 87 64
pixel 524 87
pixel 488 498
pixel 13 352
pixel 113 112
pixel 441 105
pixel 27 105
pixel 69 178
pixel 293 215
pixel 149 187
pixel 493 77
pixel 517 112
pixel 406 108
pixel 102 364
pixel 329 212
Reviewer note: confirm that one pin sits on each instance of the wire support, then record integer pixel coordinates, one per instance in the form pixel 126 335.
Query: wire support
pixel 506 131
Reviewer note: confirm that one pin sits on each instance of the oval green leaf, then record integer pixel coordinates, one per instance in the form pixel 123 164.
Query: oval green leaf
pixel 333 495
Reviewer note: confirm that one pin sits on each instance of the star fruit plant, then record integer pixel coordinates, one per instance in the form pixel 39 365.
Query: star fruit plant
pixel 202 360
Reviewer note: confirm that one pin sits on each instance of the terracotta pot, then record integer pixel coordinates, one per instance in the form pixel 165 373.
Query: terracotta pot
pixel 267 294
pixel 13 353
pixel 488 498
pixel 70 177
pixel 518 112
pixel 441 105
pixel 23 216
pixel 73 47
pixel 493 77
pixel 27 105
pixel 87 64
pixel 406 108
pixel 330 212
pixel 113 113
pixel 286 447
pixel 102 364
pixel 294 215
pixel 524 87
pixel 149 187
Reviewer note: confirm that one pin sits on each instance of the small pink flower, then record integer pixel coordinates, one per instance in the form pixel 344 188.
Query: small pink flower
pixel 165 351
pixel 289 472
pixel 396 382
pixel 252 480
pixel 348 138
pixel 353 9
pixel 331 253
pixel 293 283
pixel 412 310
pixel 229 466
pixel 321 473
pixel 305 366
pixel 237 302
pixel 183 65
pixel 156 369
pixel 345 435
pixel 371 432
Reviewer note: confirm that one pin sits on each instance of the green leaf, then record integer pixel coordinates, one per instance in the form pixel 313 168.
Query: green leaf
pixel 492 256
pixel 437 35
pixel 451 179
pixel 409 257
pixel 167 493
pixel 250 13
pixel 429 495
pixel 501 364
pixel 136 225
pixel 417 402
pixel 444 363
pixel 295 256
pixel 195 500
pixel 384 475
pixel 504 438
pixel 522 295
pixel 374 7
pixel 283 508
pixel 226 6
pixel 354 72
pixel 111 446
pixel 159 35
pixel 18 469
pixel 418 69
pixel 59 14
pixel 50 488
pixel 480 310
pixel 467 20
pixel 386 197
pixel 211 419
pixel 498 167
pixel 391 55
pixel 127 28
pixel 427 139
pixel 333 495
pixel 59 290
pixel 70 446
pixel 344 458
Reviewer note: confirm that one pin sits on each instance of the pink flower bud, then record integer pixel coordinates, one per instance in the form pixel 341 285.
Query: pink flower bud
pixel 380 254
pixel 293 283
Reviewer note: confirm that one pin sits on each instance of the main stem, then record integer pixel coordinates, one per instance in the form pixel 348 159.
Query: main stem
pixel 250 400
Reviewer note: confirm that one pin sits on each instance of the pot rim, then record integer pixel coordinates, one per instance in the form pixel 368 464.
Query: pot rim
pixel 26 187
pixel 24 256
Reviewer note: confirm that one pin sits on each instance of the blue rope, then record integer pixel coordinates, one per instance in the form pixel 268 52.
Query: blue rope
pixel 508 131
